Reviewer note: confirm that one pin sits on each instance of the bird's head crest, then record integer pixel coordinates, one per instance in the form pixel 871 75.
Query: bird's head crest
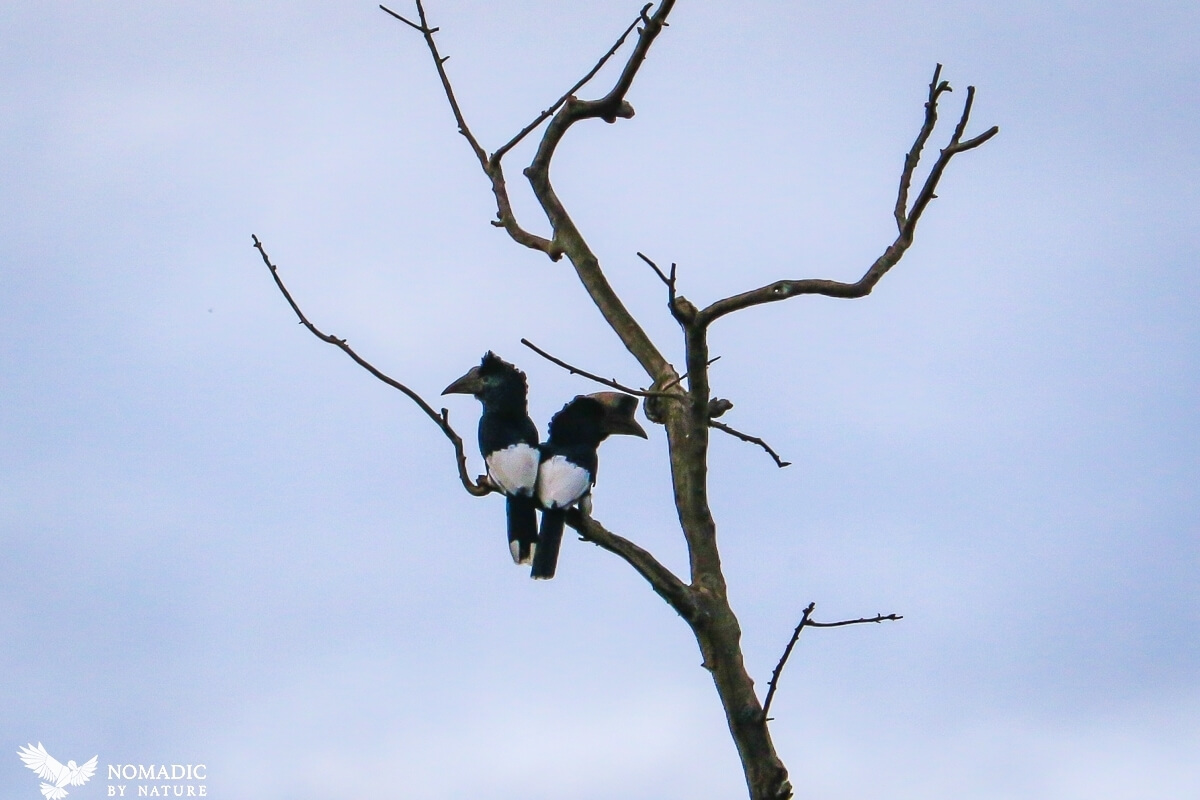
pixel 493 375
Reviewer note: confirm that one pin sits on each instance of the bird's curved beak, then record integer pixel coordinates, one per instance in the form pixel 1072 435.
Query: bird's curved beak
pixel 470 383
pixel 629 427
pixel 619 410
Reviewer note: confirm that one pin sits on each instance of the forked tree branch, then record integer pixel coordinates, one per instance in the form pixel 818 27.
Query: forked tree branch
pixel 936 87
pixel 906 219
pixel 666 583
pixel 545 115
pixel 609 107
pixel 806 621
pixel 442 419
pixel 566 237
pixel 668 280
pixel 505 218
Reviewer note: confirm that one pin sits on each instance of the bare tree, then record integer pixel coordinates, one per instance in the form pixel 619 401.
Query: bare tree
pixel 683 403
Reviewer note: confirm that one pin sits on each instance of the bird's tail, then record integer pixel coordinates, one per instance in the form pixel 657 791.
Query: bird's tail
pixel 522 528
pixel 51 792
pixel 546 559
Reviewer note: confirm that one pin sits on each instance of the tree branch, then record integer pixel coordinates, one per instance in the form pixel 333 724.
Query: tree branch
pixel 505 218
pixel 683 311
pixel 913 158
pixel 773 684
pixel 721 426
pixel 567 238
pixel 807 622
pixel 669 282
pixel 906 220
pixel 590 376
pixel 545 115
pixel 442 419
pixel 664 582
pixel 612 105
pixel 440 64
pixel 861 621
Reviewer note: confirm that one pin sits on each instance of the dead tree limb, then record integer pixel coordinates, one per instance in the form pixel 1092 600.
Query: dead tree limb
pixel 441 419
pixel 670 282
pixel 505 218
pixel 861 621
pixel 787 653
pixel 566 239
pixel 806 621
pixel 906 218
pixel 745 437
pixel 574 370
pixel 545 115
pixel 668 586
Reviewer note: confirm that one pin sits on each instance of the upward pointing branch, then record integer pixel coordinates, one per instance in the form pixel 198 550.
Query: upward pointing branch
pixel 545 115
pixel 566 237
pixel 505 217
pixel 906 219
pixel 439 62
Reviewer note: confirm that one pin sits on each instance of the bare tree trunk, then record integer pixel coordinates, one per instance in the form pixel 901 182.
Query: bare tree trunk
pixel 715 625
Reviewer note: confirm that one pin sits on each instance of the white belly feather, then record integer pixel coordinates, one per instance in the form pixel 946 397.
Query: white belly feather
pixel 561 483
pixel 514 469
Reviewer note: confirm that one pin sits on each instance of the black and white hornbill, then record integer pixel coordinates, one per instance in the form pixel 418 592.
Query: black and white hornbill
pixel 568 468
pixel 508 441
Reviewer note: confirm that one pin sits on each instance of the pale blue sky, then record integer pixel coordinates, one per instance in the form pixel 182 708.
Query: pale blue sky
pixel 225 543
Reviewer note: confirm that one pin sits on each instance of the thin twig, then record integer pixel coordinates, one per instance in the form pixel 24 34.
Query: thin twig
pixel 407 22
pixel 505 217
pixel 442 419
pixel 683 377
pixel 549 112
pixel 439 63
pixel 860 621
pixel 806 621
pixel 787 652
pixel 668 280
pixel 721 426
pixel 591 376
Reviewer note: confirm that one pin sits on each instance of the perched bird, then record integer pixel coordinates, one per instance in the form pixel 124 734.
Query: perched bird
pixel 508 440
pixel 567 471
